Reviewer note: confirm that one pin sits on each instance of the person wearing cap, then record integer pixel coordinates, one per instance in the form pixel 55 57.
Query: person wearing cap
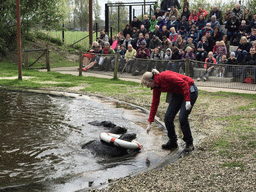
pixel 184 95
pixel 158 12
pixel 215 11
pixel 136 22
pixel 142 53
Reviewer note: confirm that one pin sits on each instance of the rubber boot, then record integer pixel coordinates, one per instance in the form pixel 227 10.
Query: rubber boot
pixel 170 145
pixel 189 146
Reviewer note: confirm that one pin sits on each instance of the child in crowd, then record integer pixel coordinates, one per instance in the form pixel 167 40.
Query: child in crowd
pixel 173 35
pixel 215 47
pixel 155 55
pixel 183 32
pixel 208 67
pixel 221 68
pixel 188 52
pixel 231 65
pixel 221 50
pixel 191 44
pixel 252 37
pixel 168 54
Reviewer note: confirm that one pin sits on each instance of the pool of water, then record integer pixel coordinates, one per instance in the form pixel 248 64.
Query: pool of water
pixel 42 135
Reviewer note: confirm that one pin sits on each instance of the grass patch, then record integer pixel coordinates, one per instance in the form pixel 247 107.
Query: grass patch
pixel 233 165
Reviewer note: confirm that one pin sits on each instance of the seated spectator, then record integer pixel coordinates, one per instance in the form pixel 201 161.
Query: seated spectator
pixel 120 38
pixel 227 16
pixel 114 40
pixel 166 43
pixel 243 49
pixel 188 52
pixel 121 50
pixel 153 23
pixel 191 44
pixel 174 12
pixel 105 61
pixel 89 56
pixel 156 32
pixel 201 23
pixel 147 40
pixel 231 65
pixel 221 50
pixel 221 68
pixel 155 55
pixel 183 32
pixel 129 57
pixel 173 35
pixel 238 12
pixel 143 30
pixel 250 59
pixel 252 36
pixel 173 23
pixel 215 11
pixel 193 16
pixel 127 41
pixel 214 23
pixel 209 66
pixel 127 30
pixel 232 27
pixel 136 22
pixel 183 23
pixel 192 34
pixel 205 30
pixel 168 54
pixel 201 49
pixel 158 12
pixel 252 24
pixel 217 34
pixel 103 38
pixel 247 16
pixel 242 31
pixel 185 12
pixel 215 47
pixel 190 24
pixel 155 43
pixel 146 22
pixel 209 41
pixel 140 40
pixel 134 33
pixel 202 12
pixel 166 16
pixel 180 44
pixel 165 32
pixel 142 53
pixel 225 39
pixel 161 22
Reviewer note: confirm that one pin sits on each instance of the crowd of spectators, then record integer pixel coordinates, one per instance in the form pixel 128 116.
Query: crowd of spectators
pixel 169 35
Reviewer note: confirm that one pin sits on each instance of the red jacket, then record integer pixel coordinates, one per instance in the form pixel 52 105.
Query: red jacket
pixel 171 82
pixel 204 13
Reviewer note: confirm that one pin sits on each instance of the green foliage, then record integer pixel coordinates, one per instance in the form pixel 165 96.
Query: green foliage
pixel 43 36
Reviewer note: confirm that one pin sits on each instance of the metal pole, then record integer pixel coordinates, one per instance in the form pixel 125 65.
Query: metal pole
pixel 142 13
pixel 96 30
pixel 144 8
pixel 106 19
pixel 133 14
pixel 130 14
pixel 111 31
pixel 18 38
pixel 118 13
pixel 63 37
pixel 90 22
pixel 150 11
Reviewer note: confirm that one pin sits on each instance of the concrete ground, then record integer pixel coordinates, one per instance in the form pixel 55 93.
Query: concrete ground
pixel 204 86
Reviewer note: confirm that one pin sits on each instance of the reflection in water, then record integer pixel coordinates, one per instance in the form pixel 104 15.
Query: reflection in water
pixel 41 139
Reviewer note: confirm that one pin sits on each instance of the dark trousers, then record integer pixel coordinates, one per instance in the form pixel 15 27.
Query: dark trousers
pixel 178 103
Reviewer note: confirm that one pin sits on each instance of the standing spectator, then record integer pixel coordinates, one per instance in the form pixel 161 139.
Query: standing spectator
pixel 193 16
pixel 232 26
pixel 208 66
pixel 173 35
pixel 103 38
pixel 136 22
pixel 227 15
pixel 172 23
pixel 163 5
pixel 127 30
pixel 165 32
pixel 238 11
pixel 146 22
pixel 158 12
pixel 243 49
pixel 214 22
pixel 174 3
pixel 201 49
pixel 247 16
pixel 249 59
pixel 201 23
pixel 202 12
pixel 153 23
pixel 174 12
pixel 161 22
pixel 215 11
pixel 129 57
pixel 142 53
pixel 185 12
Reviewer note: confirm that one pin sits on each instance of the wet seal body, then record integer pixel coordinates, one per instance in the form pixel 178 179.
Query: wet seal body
pixel 109 150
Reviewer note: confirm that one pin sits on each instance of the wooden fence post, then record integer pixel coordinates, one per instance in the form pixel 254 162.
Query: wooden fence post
pixel 47 55
pixel 116 65
pixel 26 59
pixel 80 62
pixel 187 65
